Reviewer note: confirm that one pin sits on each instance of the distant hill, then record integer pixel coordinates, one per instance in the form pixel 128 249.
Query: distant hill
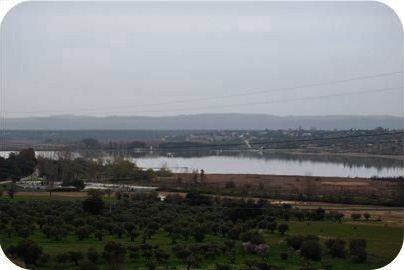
pixel 205 121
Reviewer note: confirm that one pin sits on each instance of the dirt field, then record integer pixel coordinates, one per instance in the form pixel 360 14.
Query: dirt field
pixel 295 185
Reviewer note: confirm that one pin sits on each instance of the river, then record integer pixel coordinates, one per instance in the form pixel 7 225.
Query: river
pixel 253 163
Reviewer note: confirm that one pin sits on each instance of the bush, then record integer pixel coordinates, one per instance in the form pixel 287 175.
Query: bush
pixel 295 241
pixel 93 255
pixel 366 216
pixel 93 205
pixel 222 266
pixel 62 257
pixel 114 254
pixel 88 265
pixel 357 250
pixel 284 256
pixel 282 228
pixel 230 185
pixel 336 247
pixel 311 249
pixel 262 266
pixel 356 216
pixel 75 257
pixel 29 251
pixel 83 232
pixel 254 237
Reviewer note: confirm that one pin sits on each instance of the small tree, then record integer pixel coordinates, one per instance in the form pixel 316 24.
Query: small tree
pixel 356 216
pixel 262 266
pixel 357 250
pixel 83 232
pixel 295 241
pixel 366 216
pixel 282 228
pixel 92 255
pixel 29 251
pixel 133 234
pixel 12 189
pixel 62 257
pixel 311 249
pixel 88 265
pixel 99 234
pixel 94 203
pixel 114 254
pixel 199 235
pixel 336 247
pixel 133 252
pixel 222 266
pixel 284 256
pixel 75 257
pixel 272 226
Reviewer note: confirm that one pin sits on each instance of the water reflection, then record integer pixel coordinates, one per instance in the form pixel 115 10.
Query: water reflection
pixel 251 162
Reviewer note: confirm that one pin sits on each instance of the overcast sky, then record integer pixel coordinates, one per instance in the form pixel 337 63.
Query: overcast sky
pixel 125 58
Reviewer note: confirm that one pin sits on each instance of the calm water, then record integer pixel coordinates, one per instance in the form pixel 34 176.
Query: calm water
pixel 237 164
pixel 249 163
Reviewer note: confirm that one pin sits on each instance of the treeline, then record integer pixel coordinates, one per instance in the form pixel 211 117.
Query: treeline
pixel 72 171
pixel 18 165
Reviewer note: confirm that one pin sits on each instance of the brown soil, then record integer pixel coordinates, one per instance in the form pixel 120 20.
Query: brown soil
pixel 295 185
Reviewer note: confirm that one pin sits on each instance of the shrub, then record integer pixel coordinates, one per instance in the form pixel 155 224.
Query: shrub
pixel 284 256
pixel 366 216
pixel 311 249
pixel 88 265
pixel 199 235
pixel 357 250
pixel 262 266
pixel 282 228
pixel 114 254
pixel 75 257
pixel 62 257
pixel 93 255
pixel 254 237
pixel 272 226
pixel 93 204
pixel 29 251
pixel 99 235
pixel 356 216
pixel 336 247
pixel 295 241
pixel 230 185
pixel 83 232
pixel 222 266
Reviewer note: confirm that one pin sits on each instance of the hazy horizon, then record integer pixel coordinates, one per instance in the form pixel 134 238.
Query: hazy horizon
pixel 197 114
pixel 187 58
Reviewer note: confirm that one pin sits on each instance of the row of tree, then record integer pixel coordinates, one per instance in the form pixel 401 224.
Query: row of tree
pixel 188 222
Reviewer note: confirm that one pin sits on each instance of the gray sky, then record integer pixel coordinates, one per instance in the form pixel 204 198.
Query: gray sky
pixel 121 58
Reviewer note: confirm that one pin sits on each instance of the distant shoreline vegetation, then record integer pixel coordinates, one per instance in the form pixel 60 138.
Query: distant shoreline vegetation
pixel 72 171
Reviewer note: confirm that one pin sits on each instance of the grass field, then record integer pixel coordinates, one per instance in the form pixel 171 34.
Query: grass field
pixel 383 244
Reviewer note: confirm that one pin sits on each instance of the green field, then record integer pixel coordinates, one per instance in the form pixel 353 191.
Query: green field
pixel 383 243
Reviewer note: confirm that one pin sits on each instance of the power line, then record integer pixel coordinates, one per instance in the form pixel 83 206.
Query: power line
pixel 294 141
pixel 279 101
pixel 224 96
